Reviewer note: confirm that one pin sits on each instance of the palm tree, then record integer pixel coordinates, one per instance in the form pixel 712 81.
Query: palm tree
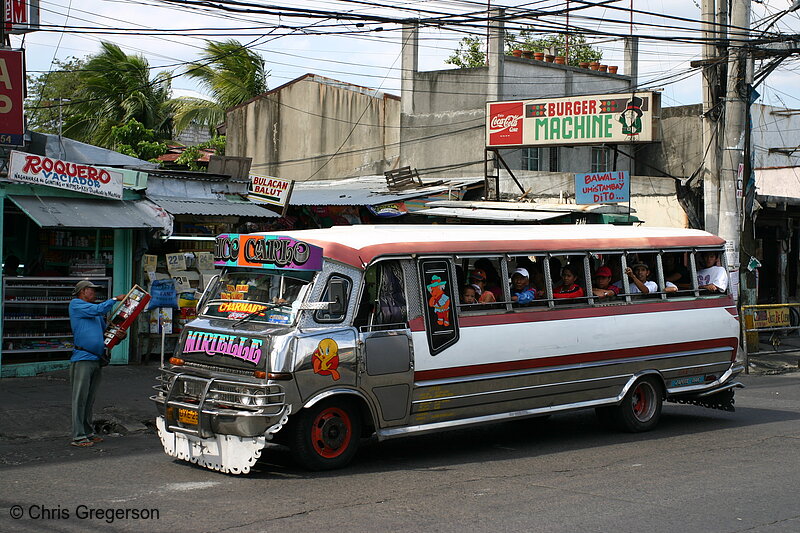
pixel 115 88
pixel 230 73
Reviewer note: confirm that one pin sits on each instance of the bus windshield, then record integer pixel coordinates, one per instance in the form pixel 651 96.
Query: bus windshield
pixel 268 296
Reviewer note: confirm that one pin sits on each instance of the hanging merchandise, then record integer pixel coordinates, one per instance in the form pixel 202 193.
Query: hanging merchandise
pixel 124 314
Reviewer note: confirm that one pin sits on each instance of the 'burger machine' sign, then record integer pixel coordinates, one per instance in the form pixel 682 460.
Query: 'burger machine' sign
pixel 41 170
pixel 575 120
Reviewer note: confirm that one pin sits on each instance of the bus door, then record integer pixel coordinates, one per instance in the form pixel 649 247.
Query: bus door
pixel 386 370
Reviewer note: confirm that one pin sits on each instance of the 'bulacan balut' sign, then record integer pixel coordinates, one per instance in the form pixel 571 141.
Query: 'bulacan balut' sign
pixel 575 120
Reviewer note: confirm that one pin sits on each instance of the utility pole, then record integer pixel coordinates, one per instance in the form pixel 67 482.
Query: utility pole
pixel 710 117
pixel 733 144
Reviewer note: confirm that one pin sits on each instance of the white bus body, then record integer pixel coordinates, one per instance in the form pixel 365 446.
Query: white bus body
pixel 318 338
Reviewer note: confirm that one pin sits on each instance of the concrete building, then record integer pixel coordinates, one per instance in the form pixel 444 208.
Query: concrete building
pixel 444 111
pixel 316 128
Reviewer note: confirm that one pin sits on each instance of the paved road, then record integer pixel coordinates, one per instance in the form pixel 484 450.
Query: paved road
pixel 699 471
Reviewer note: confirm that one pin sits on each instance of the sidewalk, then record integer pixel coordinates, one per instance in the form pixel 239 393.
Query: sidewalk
pixel 39 407
pixel 766 361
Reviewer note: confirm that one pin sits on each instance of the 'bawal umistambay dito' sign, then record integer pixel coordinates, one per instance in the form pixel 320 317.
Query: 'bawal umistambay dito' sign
pixel 602 187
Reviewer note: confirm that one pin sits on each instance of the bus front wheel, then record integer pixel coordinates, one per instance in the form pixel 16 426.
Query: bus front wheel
pixel 325 436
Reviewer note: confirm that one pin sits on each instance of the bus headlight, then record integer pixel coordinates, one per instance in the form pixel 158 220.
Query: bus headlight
pixel 246 397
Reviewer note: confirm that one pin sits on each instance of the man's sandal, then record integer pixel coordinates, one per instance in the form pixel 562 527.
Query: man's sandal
pixel 95 438
pixel 82 443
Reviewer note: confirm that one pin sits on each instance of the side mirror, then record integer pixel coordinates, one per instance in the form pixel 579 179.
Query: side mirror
pixel 337 296
pixel 210 288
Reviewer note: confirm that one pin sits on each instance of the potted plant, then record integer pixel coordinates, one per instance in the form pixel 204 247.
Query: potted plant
pixel 603 68
pixel 594 65
pixel 561 60
pixel 613 69
pixel 583 64
pixel 516 52
pixel 538 56
pixel 527 54
pixel 549 58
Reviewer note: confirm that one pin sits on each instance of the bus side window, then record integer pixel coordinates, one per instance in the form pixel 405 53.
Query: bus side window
pixel 383 299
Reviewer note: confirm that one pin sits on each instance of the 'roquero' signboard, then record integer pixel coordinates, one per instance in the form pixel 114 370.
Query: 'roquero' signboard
pixel 41 170
pixel 575 120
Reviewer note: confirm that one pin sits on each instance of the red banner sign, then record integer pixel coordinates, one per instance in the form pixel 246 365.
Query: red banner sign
pixel 12 85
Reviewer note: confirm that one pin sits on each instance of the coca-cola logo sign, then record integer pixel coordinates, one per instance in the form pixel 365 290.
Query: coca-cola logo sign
pixel 501 122
pixel 505 123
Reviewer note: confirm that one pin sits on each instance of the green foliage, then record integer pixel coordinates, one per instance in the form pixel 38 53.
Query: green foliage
pixel 114 88
pixel 135 140
pixel 191 154
pixel 49 89
pixel 579 51
pixel 469 54
pixel 231 74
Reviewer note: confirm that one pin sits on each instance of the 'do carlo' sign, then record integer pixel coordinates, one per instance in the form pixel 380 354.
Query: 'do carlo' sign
pixel 41 170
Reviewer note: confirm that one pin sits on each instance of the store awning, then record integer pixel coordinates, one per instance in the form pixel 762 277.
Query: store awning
pixel 212 207
pixel 85 213
pixel 779 185
pixel 489 214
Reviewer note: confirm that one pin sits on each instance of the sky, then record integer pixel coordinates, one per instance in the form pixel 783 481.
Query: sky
pixel 170 34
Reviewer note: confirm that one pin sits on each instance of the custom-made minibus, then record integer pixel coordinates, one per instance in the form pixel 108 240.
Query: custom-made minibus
pixel 315 339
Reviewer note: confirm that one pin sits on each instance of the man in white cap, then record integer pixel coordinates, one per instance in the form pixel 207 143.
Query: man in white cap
pixel 88 321
pixel 521 292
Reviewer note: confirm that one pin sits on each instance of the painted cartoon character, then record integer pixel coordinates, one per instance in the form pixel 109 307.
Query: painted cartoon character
pixel 439 300
pixel 326 359
pixel 631 118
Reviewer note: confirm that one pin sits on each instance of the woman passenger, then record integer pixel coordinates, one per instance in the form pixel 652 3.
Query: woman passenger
pixel 569 288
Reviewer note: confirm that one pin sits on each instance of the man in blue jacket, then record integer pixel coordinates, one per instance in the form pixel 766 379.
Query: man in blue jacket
pixel 88 321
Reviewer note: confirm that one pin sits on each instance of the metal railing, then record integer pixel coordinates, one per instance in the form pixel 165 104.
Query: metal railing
pixel 752 333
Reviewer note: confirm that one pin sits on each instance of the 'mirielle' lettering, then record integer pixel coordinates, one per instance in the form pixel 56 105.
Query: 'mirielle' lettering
pixel 221 344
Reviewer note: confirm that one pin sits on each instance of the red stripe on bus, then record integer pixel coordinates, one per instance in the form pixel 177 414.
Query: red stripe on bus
pixel 545 314
pixel 587 357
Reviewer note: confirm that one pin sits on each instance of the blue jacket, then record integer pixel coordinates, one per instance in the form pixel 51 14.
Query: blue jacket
pixel 526 296
pixel 88 323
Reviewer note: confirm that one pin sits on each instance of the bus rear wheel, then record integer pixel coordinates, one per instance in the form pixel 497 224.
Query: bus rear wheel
pixel 325 436
pixel 640 409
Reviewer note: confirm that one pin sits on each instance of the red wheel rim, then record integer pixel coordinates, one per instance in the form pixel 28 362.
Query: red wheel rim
pixel 643 402
pixel 331 432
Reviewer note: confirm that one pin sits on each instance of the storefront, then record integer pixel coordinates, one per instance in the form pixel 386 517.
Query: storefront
pixel 52 238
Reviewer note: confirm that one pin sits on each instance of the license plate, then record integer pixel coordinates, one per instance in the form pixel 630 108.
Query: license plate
pixel 187 416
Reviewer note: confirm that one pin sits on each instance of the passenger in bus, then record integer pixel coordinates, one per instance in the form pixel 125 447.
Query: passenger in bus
pixel 521 291
pixel 602 284
pixel 469 294
pixel 711 277
pixel 569 288
pixel 637 277
pixel 478 278
pixel 492 277
pixel 676 273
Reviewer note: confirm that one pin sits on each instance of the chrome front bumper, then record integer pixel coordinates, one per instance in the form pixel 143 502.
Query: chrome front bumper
pixel 207 406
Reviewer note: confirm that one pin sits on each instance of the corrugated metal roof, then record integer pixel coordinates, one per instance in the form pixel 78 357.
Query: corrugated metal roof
pixel 57 147
pixel 212 207
pixel 365 190
pixel 489 214
pixel 52 212
pixel 597 209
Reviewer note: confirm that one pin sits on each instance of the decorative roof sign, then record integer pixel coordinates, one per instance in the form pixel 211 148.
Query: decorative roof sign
pixel 41 170
pixel 574 120
pixel 602 187
pixel 266 251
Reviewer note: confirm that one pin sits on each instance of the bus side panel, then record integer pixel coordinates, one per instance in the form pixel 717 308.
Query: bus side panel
pixel 543 364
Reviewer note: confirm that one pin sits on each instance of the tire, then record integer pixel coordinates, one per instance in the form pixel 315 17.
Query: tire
pixel 640 409
pixel 325 436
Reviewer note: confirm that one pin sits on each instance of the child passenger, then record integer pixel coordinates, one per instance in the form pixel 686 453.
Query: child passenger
pixel 569 287
pixel 602 284
pixel 469 294
pixel 478 279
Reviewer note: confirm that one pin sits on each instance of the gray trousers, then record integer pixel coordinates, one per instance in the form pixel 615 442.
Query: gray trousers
pixel 85 378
